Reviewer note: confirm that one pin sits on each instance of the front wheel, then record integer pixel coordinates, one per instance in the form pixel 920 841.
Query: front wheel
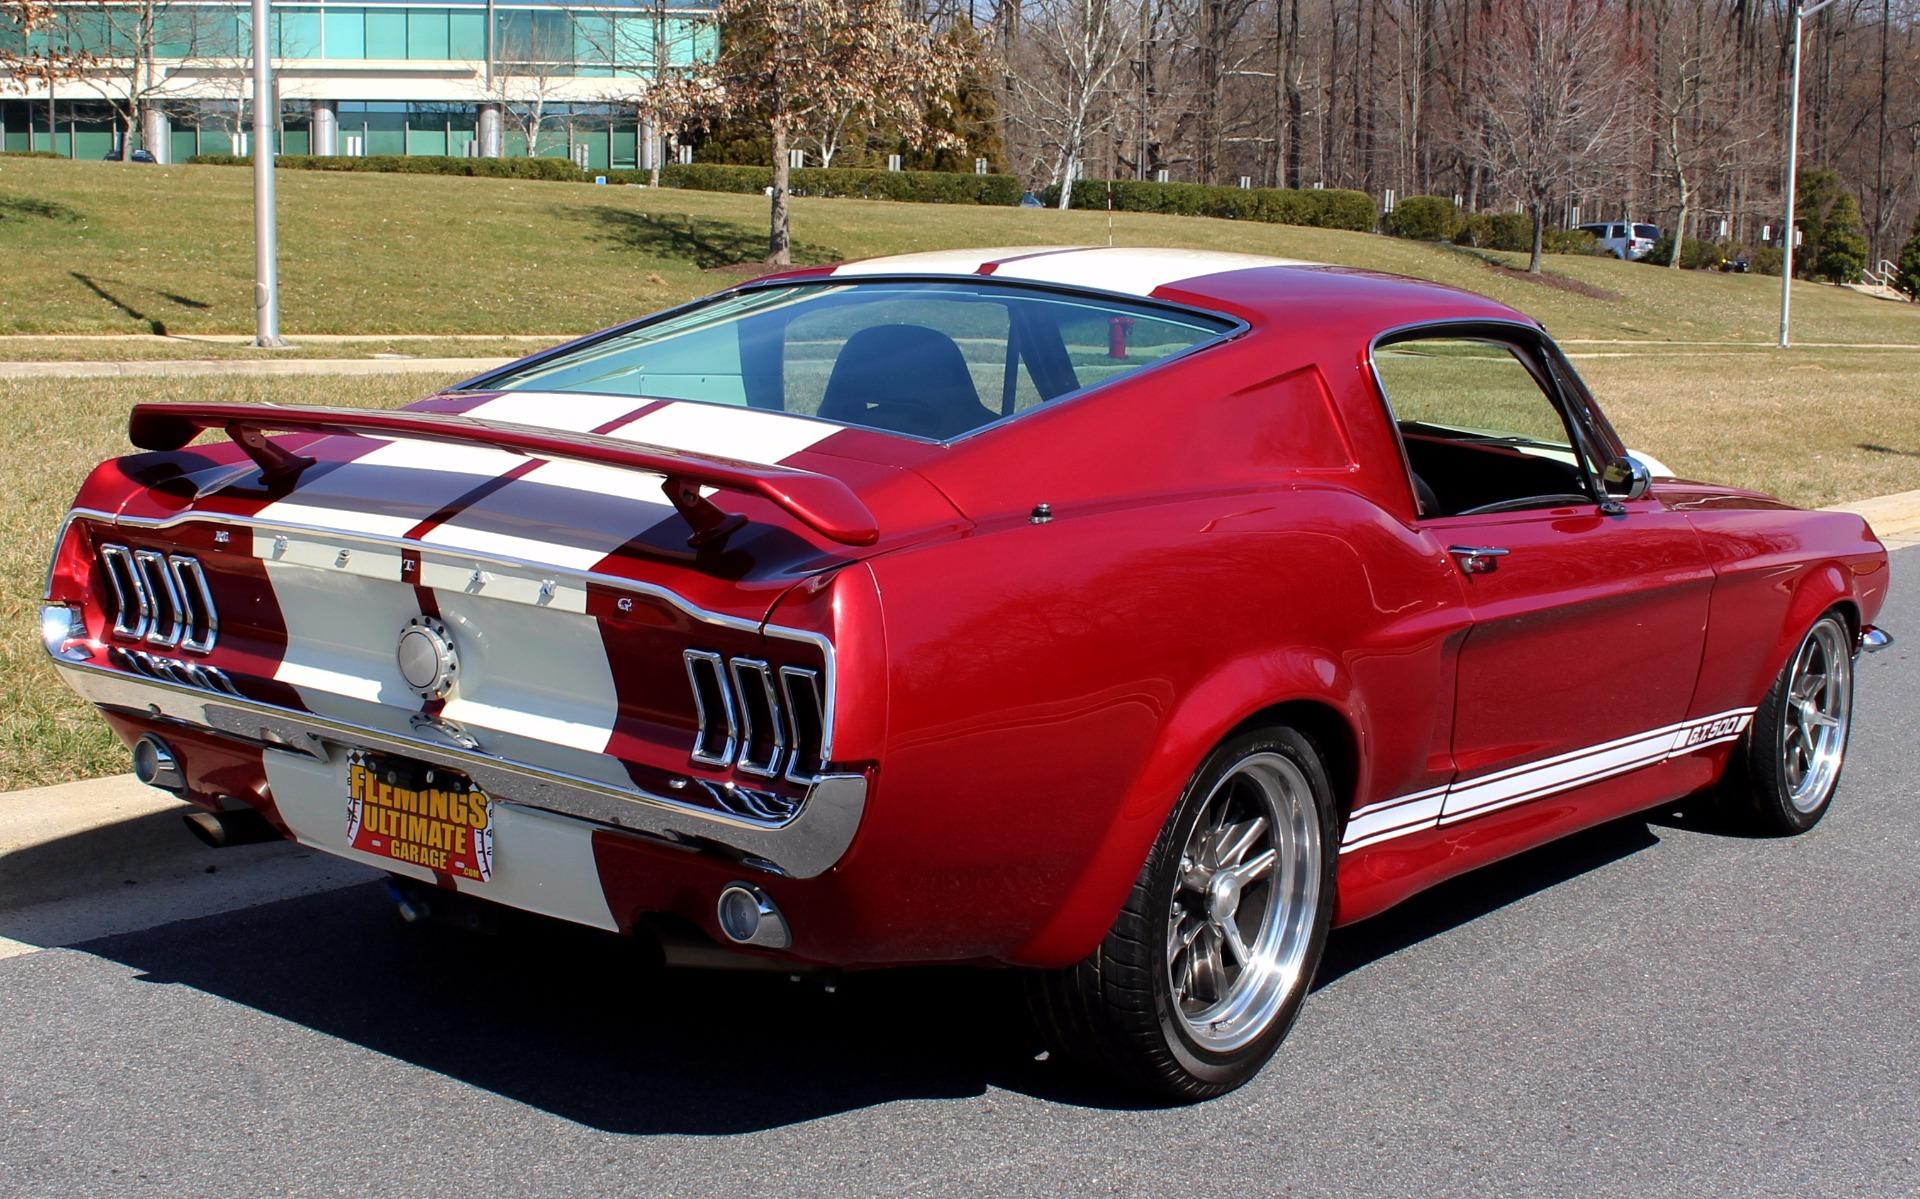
pixel 1204 970
pixel 1785 770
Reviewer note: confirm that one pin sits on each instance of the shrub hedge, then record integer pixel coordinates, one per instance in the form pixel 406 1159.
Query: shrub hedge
pixel 1330 208
pixel 30 154
pixel 491 168
pixel 926 187
pixel 920 187
pixel 1423 218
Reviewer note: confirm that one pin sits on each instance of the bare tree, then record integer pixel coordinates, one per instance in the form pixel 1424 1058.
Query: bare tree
pixel 675 94
pixel 142 52
pixel 795 62
pixel 1069 54
pixel 1703 134
pixel 1548 98
pixel 532 68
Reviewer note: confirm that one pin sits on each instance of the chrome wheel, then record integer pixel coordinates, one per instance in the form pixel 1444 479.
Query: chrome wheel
pixel 1819 706
pixel 1246 902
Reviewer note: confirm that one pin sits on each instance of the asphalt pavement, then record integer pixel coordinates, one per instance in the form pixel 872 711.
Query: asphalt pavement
pixel 1648 1009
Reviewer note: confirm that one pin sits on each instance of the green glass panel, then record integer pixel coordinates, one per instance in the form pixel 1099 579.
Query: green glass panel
pixel 346 33
pixel 386 33
pixel 593 40
pixel 427 141
pixel 92 143
pixel 182 145
pixel 215 140
pixel 466 35
pixel 295 141
pixel 625 150
pixel 299 32
pixel 427 33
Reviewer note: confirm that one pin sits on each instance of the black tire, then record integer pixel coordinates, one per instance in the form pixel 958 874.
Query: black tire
pixel 1117 1012
pixel 1760 794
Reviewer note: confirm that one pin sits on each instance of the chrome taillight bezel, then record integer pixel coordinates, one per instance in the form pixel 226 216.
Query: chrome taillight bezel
pixel 757 718
pixel 160 599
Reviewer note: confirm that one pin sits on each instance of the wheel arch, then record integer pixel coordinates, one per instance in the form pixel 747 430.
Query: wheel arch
pixel 1304 688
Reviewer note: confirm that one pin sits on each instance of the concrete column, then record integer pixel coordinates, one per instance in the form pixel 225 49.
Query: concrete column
pixel 156 133
pixel 649 148
pixel 487 130
pixel 326 128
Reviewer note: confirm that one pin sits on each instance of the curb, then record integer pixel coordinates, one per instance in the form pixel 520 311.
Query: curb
pixel 1895 518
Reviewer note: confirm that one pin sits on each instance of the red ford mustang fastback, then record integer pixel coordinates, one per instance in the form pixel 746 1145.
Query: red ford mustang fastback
pixel 1132 616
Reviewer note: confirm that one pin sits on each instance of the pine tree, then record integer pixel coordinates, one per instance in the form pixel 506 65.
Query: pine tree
pixel 1909 280
pixel 1843 247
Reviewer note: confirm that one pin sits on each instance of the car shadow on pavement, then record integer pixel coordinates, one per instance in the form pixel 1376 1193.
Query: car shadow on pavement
pixel 582 1025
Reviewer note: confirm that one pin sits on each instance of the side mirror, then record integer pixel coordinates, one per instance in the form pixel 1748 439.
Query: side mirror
pixel 1628 478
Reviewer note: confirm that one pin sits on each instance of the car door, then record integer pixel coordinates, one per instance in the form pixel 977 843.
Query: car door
pixel 1588 612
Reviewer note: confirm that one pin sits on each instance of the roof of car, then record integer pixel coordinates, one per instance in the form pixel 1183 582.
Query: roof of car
pixel 1212 278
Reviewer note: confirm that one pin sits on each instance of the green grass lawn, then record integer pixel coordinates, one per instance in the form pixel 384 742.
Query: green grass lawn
pixel 107 247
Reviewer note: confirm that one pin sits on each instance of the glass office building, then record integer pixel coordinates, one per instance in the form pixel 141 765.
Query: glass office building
pixel 366 77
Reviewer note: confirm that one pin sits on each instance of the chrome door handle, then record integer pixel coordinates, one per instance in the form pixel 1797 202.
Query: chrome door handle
pixel 1477 559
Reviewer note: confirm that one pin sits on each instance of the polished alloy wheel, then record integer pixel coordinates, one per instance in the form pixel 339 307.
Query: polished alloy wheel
pixel 1813 731
pixel 1244 909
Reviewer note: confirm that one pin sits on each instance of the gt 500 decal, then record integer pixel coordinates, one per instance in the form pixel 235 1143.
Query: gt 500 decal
pixel 1726 726
pixel 1466 798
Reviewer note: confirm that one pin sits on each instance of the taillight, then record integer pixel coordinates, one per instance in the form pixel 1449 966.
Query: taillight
pixel 757 718
pixel 161 599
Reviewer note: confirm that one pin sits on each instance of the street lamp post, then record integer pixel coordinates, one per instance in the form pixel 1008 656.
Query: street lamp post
pixel 1800 14
pixel 266 267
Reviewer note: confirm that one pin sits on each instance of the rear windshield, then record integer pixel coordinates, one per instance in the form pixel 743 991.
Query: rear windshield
pixel 1650 231
pixel 927 359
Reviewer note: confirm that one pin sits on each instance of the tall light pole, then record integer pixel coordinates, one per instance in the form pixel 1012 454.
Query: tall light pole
pixel 266 255
pixel 1800 14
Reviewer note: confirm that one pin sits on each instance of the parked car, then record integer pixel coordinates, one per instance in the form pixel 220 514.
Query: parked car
pixel 1129 616
pixel 1624 239
pixel 119 154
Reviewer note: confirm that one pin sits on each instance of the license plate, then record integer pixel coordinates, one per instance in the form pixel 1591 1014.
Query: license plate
pixel 420 815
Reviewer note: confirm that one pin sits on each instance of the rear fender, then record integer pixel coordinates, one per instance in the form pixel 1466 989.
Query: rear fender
pixel 1205 717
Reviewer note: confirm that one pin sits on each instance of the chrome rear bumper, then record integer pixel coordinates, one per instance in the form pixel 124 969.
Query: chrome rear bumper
pixel 802 845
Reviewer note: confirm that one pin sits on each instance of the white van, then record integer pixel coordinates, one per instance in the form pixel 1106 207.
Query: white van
pixel 1624 239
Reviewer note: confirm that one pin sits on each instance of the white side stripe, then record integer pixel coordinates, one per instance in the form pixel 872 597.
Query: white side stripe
pixel 1466 799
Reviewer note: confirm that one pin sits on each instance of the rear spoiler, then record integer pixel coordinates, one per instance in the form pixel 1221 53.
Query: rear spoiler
pixel 821 502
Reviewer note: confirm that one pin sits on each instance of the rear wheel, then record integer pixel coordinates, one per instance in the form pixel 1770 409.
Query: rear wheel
pixel 1206 966
pixel 1786 768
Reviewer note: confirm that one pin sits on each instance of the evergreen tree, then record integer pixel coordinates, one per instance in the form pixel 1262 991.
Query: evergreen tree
pixel 1909 280
pixel 1842 247
pixel 968 112
pixel 1814 194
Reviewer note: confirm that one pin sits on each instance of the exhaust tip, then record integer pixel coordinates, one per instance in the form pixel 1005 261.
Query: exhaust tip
pixel 155 765
pixel 748 916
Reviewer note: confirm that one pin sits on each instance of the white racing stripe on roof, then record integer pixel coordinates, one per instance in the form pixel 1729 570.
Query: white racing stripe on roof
pixel 1134 271
pixel 944 262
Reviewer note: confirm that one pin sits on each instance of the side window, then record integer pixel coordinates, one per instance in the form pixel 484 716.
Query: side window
pixel 1481 434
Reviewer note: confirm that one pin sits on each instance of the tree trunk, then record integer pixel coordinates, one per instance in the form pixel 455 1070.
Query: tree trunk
pixel 1539 208
pixel 779 233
